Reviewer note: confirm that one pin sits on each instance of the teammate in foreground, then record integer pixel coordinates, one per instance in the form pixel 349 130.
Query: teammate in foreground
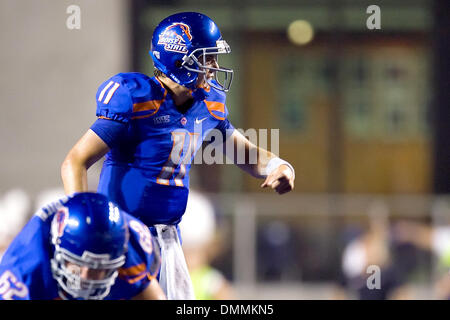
pixel 150 128
pixel 81 247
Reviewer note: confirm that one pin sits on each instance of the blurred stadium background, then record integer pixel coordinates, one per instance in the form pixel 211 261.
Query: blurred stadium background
pixel 363 117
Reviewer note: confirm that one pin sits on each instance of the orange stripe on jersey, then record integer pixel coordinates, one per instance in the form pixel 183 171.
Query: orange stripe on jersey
pixel 215 106
pixel 132 271
pixel 102 117
pixel 135 273
pixel 148 106
pixel 142 276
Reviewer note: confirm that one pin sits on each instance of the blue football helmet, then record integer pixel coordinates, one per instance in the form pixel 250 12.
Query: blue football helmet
pixel 181 44
pixel 90 237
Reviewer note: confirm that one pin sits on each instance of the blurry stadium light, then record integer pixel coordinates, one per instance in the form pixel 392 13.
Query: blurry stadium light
pixel 300 32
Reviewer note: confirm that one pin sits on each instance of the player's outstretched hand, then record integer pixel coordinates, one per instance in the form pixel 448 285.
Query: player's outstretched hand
pixel 281 179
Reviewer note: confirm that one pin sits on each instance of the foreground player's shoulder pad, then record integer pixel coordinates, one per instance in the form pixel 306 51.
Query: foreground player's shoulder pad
pixel 116 95
pixel 140 236
pixel 26 262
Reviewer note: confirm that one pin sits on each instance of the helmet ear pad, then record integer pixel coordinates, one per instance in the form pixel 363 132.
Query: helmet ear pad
pixel 185 77
pixel 173 68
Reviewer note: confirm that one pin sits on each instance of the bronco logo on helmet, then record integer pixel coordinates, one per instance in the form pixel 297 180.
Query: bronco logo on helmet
pixel 175 37
pixel 59 223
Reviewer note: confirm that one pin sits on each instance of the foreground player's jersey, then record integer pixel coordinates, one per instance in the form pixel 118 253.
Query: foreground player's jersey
pixel 147 172
pixel 25 270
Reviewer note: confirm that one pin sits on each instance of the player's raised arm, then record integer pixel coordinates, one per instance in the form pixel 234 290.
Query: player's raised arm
pixel 114 106
pixel 88 150
pixel 278 174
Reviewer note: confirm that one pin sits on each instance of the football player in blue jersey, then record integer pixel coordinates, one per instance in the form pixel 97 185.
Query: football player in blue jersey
pixel 151 127
pixel 81 247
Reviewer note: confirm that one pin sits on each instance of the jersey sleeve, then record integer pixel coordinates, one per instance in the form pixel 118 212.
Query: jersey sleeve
pixel 114 100
pixel 110 131
pixel 142 260
pixel 12 286
pixel 25 267
pixel 225 127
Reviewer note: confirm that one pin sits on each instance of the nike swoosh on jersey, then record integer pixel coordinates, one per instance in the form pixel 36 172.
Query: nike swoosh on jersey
pixel 199 121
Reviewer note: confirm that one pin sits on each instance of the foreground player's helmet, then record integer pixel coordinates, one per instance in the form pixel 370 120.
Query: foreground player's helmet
pixel 181 44
pixel 90 237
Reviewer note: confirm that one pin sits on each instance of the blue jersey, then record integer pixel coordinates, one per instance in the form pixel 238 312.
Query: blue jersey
pixel 25 269
pixel 147 172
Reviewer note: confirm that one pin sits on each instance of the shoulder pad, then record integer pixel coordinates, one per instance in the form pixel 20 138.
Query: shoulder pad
pixel 130 95
pixel 114 100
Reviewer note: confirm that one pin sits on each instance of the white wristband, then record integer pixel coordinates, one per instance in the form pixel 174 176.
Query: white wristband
pixel 274 163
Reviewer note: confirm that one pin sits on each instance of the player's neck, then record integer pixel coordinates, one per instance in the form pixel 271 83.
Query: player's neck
pixel 179 93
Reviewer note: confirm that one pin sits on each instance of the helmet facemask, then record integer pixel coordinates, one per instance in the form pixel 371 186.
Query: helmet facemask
pixel 66 269
pixel 196 61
